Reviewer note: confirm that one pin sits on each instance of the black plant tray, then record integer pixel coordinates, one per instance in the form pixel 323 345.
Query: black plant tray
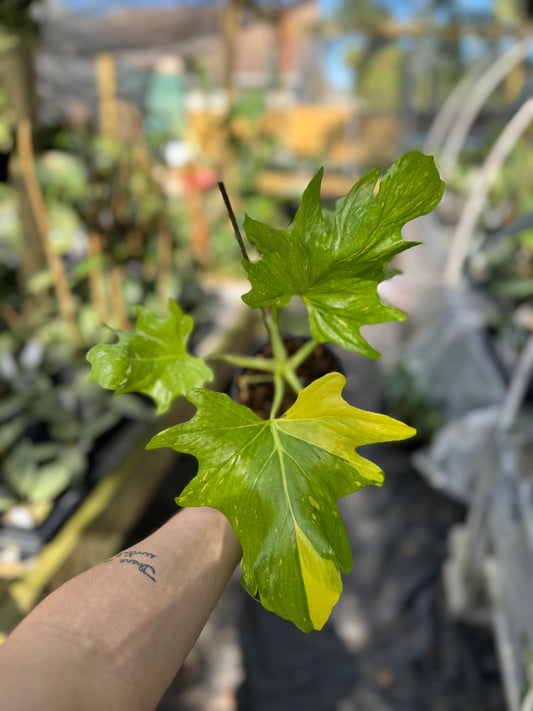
pixel 109 450
pixel 29 541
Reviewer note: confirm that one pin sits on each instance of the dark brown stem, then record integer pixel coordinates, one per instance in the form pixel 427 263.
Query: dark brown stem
pixel 265 311
pixel 233 220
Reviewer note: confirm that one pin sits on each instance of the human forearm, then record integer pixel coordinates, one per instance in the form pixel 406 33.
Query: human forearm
pixel 116 635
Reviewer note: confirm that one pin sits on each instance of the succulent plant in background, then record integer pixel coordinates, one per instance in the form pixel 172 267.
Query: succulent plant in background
pixel 50 419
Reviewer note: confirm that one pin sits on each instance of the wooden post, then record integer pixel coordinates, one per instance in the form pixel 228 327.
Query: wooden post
pixel 107 88
pixel 231 32
pixel 17 82
pixel 164 264
pixel 118 305
pixel 17 74
pixel 38 207
pixel 96 278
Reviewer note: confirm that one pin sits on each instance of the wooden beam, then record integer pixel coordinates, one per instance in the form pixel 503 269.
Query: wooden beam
pixel 394 30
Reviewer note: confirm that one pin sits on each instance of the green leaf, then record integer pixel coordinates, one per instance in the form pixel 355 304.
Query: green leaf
pixel 35 481
pixel 11 406
pixel 11 431
pixel 6 501
pixel 277 481
pixel 52 479
pixel 337 270
pixel 152 360
pixel 20 469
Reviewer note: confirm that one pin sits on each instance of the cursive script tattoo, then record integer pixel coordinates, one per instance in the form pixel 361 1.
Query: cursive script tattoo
pixel 132 554
pixel 138 559
pixel 144 568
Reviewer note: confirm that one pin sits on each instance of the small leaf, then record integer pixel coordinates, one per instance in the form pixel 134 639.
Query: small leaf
pixel 11 406
pixel 35 481
pixel 100 424
pixel 277 481
pixel 10 432
pixel 152 360
pixel 56 476
pixel 336 265
pixel 50 481
pixel 20 469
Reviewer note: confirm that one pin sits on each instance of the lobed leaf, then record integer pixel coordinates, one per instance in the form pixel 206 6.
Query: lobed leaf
pixel 277 481
pixel 152 360
pixel 336 270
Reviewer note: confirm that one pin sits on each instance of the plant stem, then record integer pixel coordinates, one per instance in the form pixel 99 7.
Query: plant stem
pixel 293 380
pixel 280 359
pixel 285 371
pixel 283 368
pixel 278 347
pixel 255 379
pixel 279 391
pixel 233 220
pixel 295 361
pixel 302 354
pixel 238 236
pixel 266 364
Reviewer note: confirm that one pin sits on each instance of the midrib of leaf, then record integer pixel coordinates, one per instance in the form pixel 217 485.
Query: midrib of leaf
pixel 280 450
pixel 264 465
pixel 326 273
pixel 337 239
pixel 151 359
pixel 320 576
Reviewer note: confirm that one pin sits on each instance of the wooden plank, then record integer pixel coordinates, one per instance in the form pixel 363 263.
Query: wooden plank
pixel 393 30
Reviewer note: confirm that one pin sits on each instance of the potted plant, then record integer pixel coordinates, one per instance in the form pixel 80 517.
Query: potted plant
pixel 277 479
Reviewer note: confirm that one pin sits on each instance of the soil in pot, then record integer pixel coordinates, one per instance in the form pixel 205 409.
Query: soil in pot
pixel 258 396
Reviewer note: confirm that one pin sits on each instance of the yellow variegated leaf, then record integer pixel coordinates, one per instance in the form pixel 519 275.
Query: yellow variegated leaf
pixel 278 481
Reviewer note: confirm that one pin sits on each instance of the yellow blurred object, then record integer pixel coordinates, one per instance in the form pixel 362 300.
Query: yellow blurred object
pixel 106 83
pixel 334 134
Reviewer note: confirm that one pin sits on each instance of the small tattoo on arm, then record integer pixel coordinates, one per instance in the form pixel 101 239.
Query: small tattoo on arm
pixel 132 554
pixel 138 559
pixel 144 568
